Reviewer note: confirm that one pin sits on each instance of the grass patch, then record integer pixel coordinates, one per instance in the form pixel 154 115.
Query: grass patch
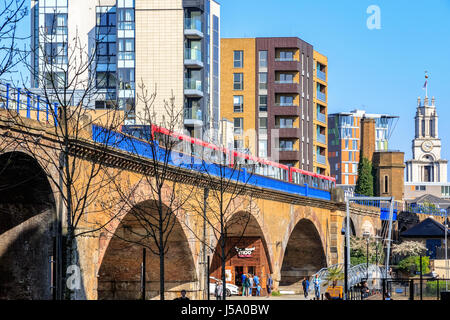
pixel 276 293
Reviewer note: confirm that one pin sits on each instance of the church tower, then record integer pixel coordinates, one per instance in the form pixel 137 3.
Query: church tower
pixel 426 165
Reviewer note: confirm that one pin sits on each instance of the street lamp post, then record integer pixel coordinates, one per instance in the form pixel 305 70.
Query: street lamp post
pixel 366 235
pixel 446 249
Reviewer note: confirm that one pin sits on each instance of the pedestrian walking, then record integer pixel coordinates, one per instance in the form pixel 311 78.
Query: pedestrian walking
pixel 256 283
pixel 250 285
pixel 269 284
pixel 305 284
pixel 244 284
pixel 219 290
pixel 317 286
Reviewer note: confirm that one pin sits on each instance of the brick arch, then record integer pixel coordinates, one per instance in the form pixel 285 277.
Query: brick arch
pixel 120 261
pixel 303 251
pixel 28 210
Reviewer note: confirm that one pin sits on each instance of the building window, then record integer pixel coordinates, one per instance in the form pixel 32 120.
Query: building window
pixel 126 49
pixel 56 23
pixel 126 79
pixel 286 101
pixel 263 103
pixel 238 144
pixel 286 78
pixel 286 56
pixel 238 81
pixel 263 80
pixel 263 59
pixel 386 184
pixel 286 145
pixel 284 122
pixel 263 125
pixel 238 125
pixel 126 19
pixel 238 104
pixel 238 59
pixel 262 150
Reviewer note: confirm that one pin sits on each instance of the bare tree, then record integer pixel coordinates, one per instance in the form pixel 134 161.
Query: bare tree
pixel 226 207
pixel 75 161
pixel 153 203
pixel 12 13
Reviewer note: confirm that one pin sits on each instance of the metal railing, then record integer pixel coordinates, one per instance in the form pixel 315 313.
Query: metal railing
pixel 27 104
pixel 321 138
pixel 321 75
pixel 321 96
pixel 321 117
pixel 356 275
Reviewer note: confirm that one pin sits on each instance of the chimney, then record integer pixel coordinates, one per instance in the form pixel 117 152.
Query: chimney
pixel 367 138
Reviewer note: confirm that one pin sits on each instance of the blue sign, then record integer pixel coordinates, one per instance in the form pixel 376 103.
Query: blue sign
pixel 384 214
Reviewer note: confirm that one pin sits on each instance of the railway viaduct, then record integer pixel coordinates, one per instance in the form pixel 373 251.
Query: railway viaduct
pixel 299 235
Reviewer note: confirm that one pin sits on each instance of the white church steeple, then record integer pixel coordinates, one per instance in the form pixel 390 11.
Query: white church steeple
pixel 426 165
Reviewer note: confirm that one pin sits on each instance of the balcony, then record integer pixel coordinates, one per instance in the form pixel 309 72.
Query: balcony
pixel 321 138
pixel 193 28
pixel 289 155
pixel 289 132
pixel 193 116
pixel 193 58
pixel 321 96
pixel 285 64
pixel 286 87
pixel 193 88
pixel 321 159
pixel 321 75
pixel 321 117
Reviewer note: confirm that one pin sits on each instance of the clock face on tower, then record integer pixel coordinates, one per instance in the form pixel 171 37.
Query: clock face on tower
pixel 427 146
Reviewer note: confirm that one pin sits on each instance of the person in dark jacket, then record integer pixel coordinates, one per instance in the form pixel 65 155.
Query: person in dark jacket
pixel 269 284
pixel 305 284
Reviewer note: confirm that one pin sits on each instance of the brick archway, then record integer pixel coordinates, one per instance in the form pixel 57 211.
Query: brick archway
pixel 304 254
pixel 119 274
pixel 27 212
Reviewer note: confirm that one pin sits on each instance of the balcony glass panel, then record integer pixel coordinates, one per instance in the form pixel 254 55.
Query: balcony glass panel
pixel 321 96
pixel 193 24
pixel 192 54
pixel 321 138
pixel 321 75
pixel 320 159
pixel 194 113
pixel 321 117
pixel 192 84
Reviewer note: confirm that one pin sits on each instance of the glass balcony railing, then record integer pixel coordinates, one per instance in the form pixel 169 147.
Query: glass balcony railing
pixel 321 117
pixel 321 75
pixel 321 138
pixel 192 54
pixel 284 81
pixel 320 159
pixel 321 96
pixel 193 24
pixel 194 113
pixel 192 84
pixel 285 59
pixel 285 104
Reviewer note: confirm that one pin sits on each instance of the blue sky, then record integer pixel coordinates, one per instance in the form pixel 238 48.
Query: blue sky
pixel 381 71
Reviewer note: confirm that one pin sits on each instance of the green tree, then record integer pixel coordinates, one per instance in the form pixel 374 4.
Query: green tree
pixel 412 264
pixel 364 184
